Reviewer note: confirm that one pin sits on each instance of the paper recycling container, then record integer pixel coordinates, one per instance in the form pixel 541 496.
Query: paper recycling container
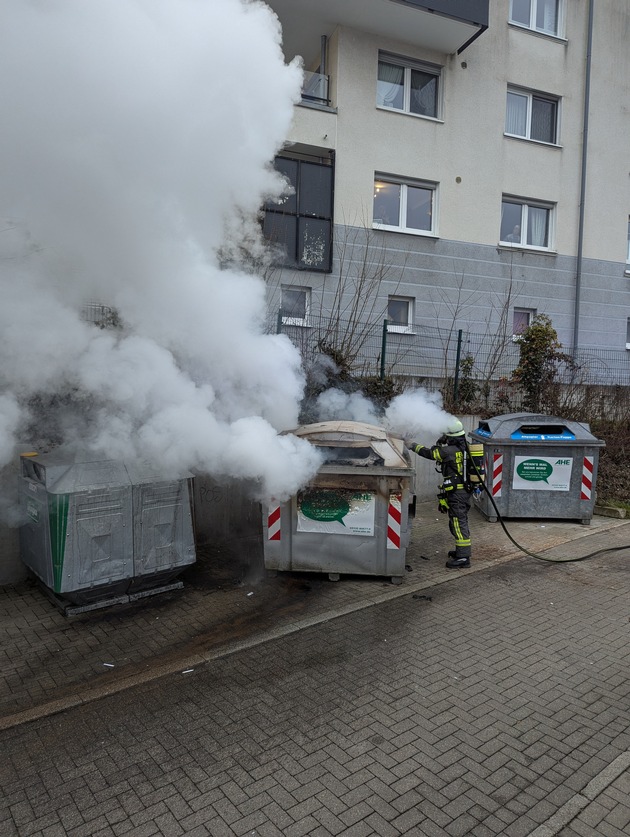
pixel 538 467
pixel 355 516
pixel 100 529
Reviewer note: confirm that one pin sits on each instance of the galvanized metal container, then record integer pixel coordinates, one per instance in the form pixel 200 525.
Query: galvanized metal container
pixel 163 536
pixel 355 516
pixel 537 466
pixel 98 529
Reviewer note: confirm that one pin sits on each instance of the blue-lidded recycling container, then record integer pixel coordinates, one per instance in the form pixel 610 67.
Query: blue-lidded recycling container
pixel 538 466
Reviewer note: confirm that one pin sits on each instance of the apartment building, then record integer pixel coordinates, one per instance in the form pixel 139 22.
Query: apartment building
pixel 471 158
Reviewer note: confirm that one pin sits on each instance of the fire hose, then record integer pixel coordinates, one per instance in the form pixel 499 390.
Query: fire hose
pixel 559 560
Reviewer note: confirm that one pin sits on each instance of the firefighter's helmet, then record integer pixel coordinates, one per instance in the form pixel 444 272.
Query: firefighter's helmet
pixel 455 428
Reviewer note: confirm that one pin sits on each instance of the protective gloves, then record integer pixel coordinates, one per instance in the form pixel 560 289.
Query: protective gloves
pixel 442 506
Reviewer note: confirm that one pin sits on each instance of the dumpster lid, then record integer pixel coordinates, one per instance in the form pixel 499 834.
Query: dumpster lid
pixel 62 472
pixel 65 472
pixel 357 441
pixel 535 427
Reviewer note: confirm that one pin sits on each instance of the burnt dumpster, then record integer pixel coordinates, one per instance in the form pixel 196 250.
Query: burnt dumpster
pixel 97 532
pixel 355 516
pixel 538 467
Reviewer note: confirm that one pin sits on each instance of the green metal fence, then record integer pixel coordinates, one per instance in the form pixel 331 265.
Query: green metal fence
pixel 456 359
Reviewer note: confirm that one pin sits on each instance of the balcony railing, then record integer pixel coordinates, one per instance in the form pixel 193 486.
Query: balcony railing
pixel 315 88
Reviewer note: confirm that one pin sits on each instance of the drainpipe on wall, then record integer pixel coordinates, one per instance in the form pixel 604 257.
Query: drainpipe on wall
pixel 587 96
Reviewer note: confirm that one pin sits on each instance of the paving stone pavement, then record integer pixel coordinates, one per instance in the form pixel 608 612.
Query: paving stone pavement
pixel 485 702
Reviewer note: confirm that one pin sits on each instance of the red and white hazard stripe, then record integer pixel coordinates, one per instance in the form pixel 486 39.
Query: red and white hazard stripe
pixel 394 519
pixel 497 474
pixel 273 523
pixel 587 478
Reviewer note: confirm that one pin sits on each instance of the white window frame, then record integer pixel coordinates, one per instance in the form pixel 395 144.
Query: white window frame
pixel 530 95
pixel 404 183
pixel 297 321
pixel 526 204
pixel 628 333
pixel 531 313
pixel 407 65
pixel 397 327
pixel 627 270
pixel 533 9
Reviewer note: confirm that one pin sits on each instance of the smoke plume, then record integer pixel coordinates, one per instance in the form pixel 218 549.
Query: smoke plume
pixel 135 133
pixel 415 415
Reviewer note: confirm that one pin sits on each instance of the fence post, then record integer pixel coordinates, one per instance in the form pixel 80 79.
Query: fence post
pixel 383 349
pixel 457 360
pixel 279 322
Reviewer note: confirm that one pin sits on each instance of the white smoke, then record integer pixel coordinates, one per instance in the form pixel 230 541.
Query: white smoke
pixel 415 415
pixel 135 132
pixel 335 404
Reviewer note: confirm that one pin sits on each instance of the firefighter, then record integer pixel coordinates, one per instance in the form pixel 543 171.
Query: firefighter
pixel 454 497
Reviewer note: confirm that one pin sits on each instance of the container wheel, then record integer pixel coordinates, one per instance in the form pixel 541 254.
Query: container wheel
pixel 333 576
pixel 397 579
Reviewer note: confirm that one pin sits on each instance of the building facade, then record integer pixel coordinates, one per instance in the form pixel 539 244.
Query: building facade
pixel 459 164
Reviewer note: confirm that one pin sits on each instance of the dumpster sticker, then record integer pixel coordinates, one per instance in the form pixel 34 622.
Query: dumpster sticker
pixel 58 523
pixel 542 473
pixel 274 530
pixel 394 520
pixel 32 510
pixel 336 511
pixel 497 474
pixel 587 477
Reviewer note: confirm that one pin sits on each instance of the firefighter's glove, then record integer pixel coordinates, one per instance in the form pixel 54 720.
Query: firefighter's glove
pixel 414 446
pixel 442 506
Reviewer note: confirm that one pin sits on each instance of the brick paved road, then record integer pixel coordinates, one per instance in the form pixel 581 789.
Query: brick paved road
pixel 481 712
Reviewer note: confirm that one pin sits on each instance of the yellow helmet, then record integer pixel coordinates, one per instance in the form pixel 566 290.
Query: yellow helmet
pixel 455 428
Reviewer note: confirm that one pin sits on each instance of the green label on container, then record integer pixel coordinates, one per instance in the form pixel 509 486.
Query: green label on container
pixel 324 506
pixel 336 511
pixel 58 521
pixel 534 470
pixel 542 473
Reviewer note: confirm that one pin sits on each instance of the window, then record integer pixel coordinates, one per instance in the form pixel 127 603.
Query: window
pixel 301 224
pixel 409 86
pixel 628 250
pixel 525 224
pixel 400 313
pixel 539 15
pixel 295 304
pixel 521 319
pixel 404 205
pixel 531 115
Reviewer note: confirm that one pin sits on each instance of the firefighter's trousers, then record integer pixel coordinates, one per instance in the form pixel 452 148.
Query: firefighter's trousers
pixel 458 508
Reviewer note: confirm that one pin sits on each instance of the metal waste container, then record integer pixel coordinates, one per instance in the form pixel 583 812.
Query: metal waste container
pixel 98 531
pixel 163 536
pixel 355 515
pixel 538 467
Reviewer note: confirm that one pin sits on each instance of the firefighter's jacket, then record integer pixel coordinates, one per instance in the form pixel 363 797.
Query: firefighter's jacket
pixel 451 459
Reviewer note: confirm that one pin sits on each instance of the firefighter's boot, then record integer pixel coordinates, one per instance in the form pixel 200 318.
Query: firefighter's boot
pixel 455 563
